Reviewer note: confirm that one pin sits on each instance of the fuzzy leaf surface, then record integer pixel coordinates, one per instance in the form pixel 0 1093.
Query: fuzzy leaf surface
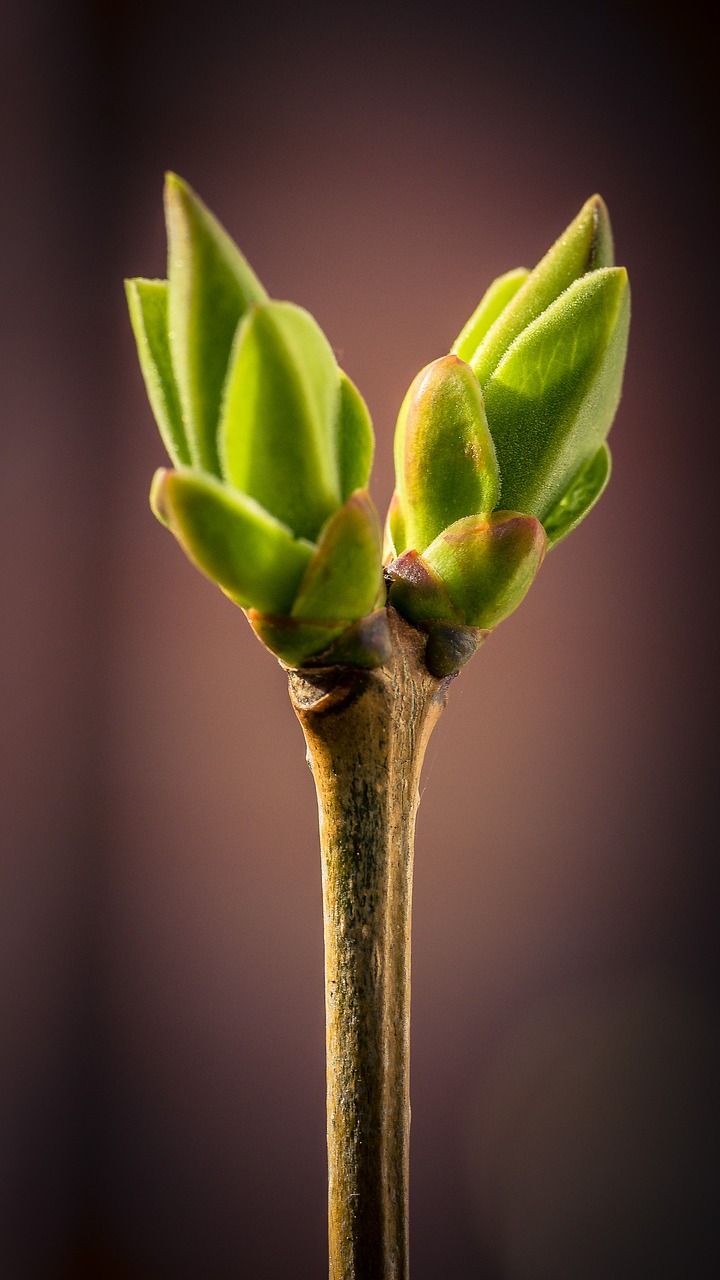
pixel 210 287
pixel 345 574
pixel 253 557
pixel 552 399
pixel 583 493
pixel 491 305
pixel 277 434
pixel 586 245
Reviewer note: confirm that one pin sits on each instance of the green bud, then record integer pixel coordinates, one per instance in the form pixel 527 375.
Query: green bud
pixel 147 304
pixel 487 565
pixel 210 287
pixel 491 305
pixel 254 558
pixel 553 396
pixel 419 593
pixel 278 432
pixel 444 455
pixel 585 245
pixel 344 577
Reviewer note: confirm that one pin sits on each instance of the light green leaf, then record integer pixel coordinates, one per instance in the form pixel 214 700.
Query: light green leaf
pixel 584 491
pixel 253 557
pixel 345 574
pixel 445 462
pixel 277 432
pixel 488 565
pixel 395 541
pixel 586 245
pixel 147 304
pixel 491 305
pixel 211 287
pixel 552 399
pixel 355 439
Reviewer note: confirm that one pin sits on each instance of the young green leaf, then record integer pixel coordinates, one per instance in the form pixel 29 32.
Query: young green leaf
pixel 253 557
pixel 445 461
pixel 580 497
pixel 491 305
pixel 210 287
pixel 552 399
pixel 586 245
pixel 147 304
pixel 345 574
pixel 488 565
pixel 277 432
pixel 395 540
pixel 355 439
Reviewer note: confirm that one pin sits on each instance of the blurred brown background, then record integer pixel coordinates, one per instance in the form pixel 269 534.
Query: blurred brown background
pixel 161 1055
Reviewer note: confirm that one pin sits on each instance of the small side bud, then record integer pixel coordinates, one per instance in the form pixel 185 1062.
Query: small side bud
pixel 488 565
pixel 418 593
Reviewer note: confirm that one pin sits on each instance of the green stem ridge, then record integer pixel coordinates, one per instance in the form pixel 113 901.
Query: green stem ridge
pixel 366 734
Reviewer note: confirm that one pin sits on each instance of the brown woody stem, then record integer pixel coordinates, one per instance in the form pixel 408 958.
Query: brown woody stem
pixel 366 733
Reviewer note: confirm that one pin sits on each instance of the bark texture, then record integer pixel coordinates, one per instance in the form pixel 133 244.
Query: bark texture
pixel 366 733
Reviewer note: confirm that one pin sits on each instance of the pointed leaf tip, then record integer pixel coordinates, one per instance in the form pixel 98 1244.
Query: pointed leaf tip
pixel 210 287
pixel 585 245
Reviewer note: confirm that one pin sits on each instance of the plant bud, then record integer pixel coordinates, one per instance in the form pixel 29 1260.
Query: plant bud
pixel 444 456
pixel 418 593
pixel 487 565
pixel 272 442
